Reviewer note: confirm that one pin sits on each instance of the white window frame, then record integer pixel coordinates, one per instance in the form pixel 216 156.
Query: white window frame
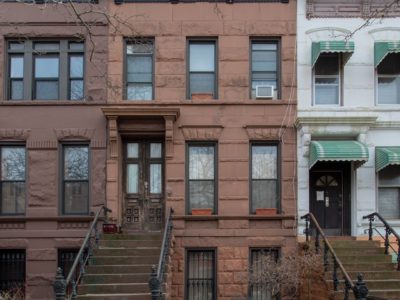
pixel 377 89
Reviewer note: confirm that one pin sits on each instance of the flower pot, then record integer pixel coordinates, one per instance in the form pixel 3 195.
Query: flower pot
pixel 266 211
pixel 202 96
pixel 110 228
pixel 201 211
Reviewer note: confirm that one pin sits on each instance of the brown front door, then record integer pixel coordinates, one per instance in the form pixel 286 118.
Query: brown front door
pixel 143 185
pixel 326 201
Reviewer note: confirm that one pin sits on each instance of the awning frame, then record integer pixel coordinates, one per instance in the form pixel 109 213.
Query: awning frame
pixel 382 49
pixel 345 47
pixel 386 156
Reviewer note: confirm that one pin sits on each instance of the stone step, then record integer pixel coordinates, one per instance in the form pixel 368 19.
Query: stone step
pixel 385 284
pixel 372 295
pixel 354 244
pixel 113 288
pixel 370 275
pixel 123 260
pixel 116 278
pixel 124 296
pixel 361 267
pixel 128 243
pixel 139 251
pixel 358 251
pixel 118 269
pixel 366 259
pixel 133 237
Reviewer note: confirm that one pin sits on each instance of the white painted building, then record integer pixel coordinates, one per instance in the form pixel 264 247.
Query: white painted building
pixel 349 104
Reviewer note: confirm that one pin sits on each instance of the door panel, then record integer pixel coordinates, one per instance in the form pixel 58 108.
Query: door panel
pixel 326 201
pixel 143 190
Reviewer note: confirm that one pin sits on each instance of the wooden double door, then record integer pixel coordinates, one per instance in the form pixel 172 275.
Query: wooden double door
pixel 143 205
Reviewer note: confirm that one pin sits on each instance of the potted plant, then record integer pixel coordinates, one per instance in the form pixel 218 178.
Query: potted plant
pixel 201 211
pixel 266 211
pixel 110 227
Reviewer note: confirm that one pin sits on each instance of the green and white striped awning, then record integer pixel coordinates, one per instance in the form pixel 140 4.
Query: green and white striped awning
pixel 384 48
pixel 347 48
pixel 338 151
pixel 386 156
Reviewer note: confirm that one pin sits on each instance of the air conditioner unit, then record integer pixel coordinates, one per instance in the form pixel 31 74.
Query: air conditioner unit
pixel 265 91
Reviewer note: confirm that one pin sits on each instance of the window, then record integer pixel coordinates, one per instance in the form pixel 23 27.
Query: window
pixel 259 258
pixel 201 170
pixel 264 176
pixel 200 275
pixel 264 69
pixel 202 70
pixel 66 258
pixel 139 69
pixel 12 180
pixel 389 192
pixel 75 179
pixel 327 80
pixel 12 272
pixel 45 70
pixel 389 80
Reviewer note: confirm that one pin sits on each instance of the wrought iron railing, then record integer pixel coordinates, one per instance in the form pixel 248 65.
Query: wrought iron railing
pixel 66 288
pixel 359 288
pixel 388 231
pixel 157 275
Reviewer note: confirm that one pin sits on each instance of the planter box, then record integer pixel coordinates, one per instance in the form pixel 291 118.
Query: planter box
pixel 201 211
pixel 202 96
pixel 266 211
pixel 110 228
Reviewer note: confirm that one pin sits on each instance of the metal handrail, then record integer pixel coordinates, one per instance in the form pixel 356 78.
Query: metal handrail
pixel 388 231
pixel 157 274
pixel 359 288
pixel 66 288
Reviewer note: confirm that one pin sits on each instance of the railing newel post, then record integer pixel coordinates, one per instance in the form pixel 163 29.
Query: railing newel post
pixel 360 288
pixel 370 232
pixel 59 285
pixel 387 233
pixel 154 284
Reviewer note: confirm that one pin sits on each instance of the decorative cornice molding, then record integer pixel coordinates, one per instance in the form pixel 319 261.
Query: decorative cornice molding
pixel 336 120
pixel 201 132
pixel 15 134
pixel 45 144
pixel 139 111
pixel 74 133
pixel 263 132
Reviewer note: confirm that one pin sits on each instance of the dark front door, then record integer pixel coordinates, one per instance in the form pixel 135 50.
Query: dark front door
pixel 143 185
pixel 326 200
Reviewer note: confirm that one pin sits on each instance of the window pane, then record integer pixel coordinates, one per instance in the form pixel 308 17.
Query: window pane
pixel 201 194
pixel 140 46
pixel 264 162
pixel 46 46
pixel 76 66
pixel 17 46
pixel 201 275
pixel 132 178
pixel 389 203
pixel 76 162
pixel 13 197
pixel 133 150
pixel 389 176
pixel 13 163
pixel 264 46
pixel 389 90
pixel 76 196
pixel 202 83
pixel 76 90
pixel 46 67
pixel 76 46
pixel 264 194
pixel 202 57
pixel 17 67
pixel 326 93
pixel 140 69
pixel 201 162
pixel 47 90
pixel 155 178
pixel 155 150
pixel 264 61
pixel 17 90
pixel 139 92
pixel 327 64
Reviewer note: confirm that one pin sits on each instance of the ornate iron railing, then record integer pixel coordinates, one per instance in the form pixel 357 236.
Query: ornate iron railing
pixel 157 275
pixel 67 288
pixel 388 231
pixel 359 288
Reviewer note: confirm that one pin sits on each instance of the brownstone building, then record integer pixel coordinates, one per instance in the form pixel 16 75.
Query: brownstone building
pixel 186 105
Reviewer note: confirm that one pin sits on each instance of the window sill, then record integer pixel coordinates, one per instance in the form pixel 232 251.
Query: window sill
pixel 48 102
pixel 20 218
pixel 231 217
pixel 205 102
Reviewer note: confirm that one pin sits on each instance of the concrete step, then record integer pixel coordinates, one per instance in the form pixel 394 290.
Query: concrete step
pixel 372 295
pixel 133 237
pixel 354 244
pixel 370 275
pixel 128 243
pixel 358 251
pixel 361 267
pixel 116 278
pixel 118 269
pixel 113 288
pixel 139 251
pixel 124 296
pixel 385 284
pixel 123 260
pixel 366 259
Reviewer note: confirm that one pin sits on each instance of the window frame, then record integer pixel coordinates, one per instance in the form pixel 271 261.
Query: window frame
pixel 278 173
pixel 64 145
pixel 20 251
pixel 267 40
pixel 15 145
pixel 29 54
pixel 340 79
pixel 379 186
pixel 201 40
pixel 377 76
pixel 125 55
pixel 213 250
pixel 187 170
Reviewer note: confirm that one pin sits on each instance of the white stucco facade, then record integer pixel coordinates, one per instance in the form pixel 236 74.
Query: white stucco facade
pixel 358 117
